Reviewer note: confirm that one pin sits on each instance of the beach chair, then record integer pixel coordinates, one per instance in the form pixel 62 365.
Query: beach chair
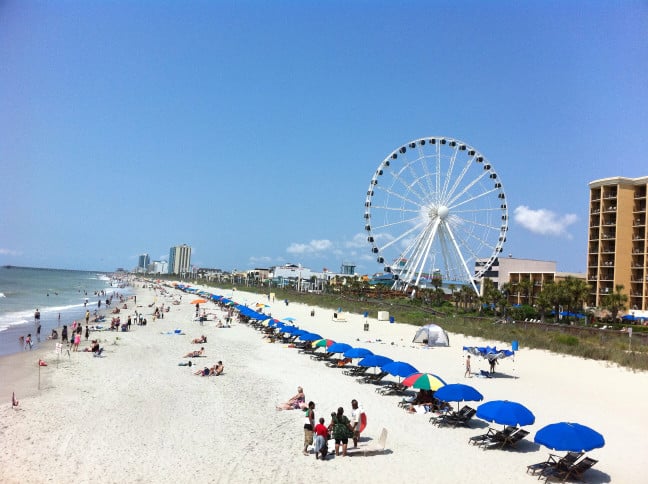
pixel 554 461
pixel 454 418
pixel 491 434
pixel 393 388
pixel 503 441
pixel 373 378
pixel 573 472
pixel 372 447
pixel 356 371
pixel 322 356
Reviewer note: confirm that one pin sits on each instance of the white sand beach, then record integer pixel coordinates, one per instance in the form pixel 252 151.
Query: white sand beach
pixel 134 415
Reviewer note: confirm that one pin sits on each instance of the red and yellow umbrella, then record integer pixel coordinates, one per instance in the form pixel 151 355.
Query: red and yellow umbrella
pixel 424 381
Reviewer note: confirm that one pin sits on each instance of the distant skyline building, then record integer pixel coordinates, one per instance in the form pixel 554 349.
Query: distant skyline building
pixel 143 262
pixel 617 252
pixel 180 259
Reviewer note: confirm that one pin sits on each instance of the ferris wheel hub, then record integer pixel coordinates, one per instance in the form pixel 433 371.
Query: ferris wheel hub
pixel 442 212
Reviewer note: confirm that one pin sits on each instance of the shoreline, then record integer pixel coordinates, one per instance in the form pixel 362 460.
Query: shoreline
pixel 226 428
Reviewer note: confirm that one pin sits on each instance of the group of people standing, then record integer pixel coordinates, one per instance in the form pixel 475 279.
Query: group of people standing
pixel 341 428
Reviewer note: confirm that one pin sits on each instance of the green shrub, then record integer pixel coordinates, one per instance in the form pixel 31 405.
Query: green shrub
pixel 566 339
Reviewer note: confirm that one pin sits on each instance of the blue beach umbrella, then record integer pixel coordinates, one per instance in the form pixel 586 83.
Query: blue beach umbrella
pixel 339 348
pixel 374 360
pixel 357 353
pixel 289 329
pixel 289 319
pixel 309 337
pixel 505 413
pixel 399 368
pixel 458 392
pixel 569 436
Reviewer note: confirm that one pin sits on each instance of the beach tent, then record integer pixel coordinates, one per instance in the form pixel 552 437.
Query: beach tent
pixel 432 335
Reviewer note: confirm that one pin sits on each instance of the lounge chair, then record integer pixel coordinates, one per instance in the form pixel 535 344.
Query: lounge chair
pixel 373 378
pixel 460 418
pixel 573 472
pixel 322 356
pixel 372 447
pixel 393 389
pixel 356 371
pixel 506 441
pixel 554 461
pixel 491 434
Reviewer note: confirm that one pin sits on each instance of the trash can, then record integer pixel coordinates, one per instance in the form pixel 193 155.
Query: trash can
pixel 391 319
pixel 514 345
pixel 366 326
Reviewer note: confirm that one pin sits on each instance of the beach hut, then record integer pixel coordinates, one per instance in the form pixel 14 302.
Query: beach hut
pixel 432 335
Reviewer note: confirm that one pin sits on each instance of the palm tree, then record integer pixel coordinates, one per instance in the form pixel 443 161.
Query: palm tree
pixel 554 294
pixel 525 289
pixel 615 302
pixel 577 291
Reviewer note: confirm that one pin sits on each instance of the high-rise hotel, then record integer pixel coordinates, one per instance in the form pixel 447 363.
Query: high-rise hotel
pixel 180 259
pixel 617 249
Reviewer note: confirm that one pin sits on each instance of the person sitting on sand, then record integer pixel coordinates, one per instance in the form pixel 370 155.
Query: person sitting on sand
pixel 202 339
pixel 296 402
pixel 195 354
pixel 216 370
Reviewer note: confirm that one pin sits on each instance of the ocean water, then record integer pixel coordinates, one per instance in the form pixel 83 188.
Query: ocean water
pixel 53 292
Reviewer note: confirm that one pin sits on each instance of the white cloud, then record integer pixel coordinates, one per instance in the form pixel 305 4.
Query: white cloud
pixel 264 259
pixel 544 222
pixel 9 252
pixel 358 241
pixel 312 247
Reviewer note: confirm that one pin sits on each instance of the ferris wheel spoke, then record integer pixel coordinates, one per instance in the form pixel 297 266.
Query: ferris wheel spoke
pixel 396 209
pixel 430 174
pixel 460 178
pixel 478 210
pixel 403 198
pixel 473 198
pixel 449 171
pixel 479 224
pixel 466 189
pixel 408 186
pixel 396 223
pixel 414 182
pixel 402 236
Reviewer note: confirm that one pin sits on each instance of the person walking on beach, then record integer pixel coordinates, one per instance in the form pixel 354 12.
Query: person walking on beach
pixel 467 373
pixel 355 421
pixel 309 424
pixel 87 332
pixel 64 335
pixel 87 316
pixel 28 342
pixel 77 340
pixel 38 331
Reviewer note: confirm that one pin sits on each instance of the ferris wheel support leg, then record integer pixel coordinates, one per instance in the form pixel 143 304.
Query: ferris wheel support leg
pixel 463 262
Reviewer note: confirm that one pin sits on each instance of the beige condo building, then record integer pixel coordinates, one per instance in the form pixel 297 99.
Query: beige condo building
pixel 617 250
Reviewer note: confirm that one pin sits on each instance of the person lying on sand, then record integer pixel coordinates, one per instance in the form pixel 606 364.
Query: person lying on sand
pixel 202 339
pixel 204 372
pixel 195 354
pixel 297 401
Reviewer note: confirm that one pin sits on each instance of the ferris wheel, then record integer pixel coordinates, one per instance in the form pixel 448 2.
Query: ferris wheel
pixel 435 207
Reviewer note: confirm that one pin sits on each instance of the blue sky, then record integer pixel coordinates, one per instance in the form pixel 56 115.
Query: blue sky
pixel 250 130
